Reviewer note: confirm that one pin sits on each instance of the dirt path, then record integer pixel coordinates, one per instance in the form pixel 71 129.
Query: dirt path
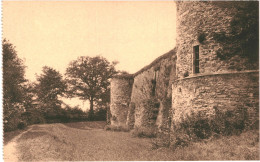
pixel 52 142
pixel 10 149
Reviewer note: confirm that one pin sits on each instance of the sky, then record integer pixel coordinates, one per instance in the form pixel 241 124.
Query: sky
pixel 53 34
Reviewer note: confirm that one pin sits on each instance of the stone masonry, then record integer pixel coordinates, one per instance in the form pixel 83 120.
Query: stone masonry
pixel 164 92
pixel 145 102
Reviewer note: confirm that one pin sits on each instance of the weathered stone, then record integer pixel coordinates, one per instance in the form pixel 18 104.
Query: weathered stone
pixel 220 85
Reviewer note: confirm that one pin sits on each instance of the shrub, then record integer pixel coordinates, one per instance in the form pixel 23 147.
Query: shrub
pixel 12 115
pixel 144 132
pixel 21 125
pixel 117 128
pixel 162 140
pixel 197 126
pixel 100 114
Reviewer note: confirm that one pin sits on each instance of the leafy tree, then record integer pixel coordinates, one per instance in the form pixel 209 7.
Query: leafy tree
pixel 50 86
pixel 32 115
pixel 13 90
pixel 89 79
pixel 13 74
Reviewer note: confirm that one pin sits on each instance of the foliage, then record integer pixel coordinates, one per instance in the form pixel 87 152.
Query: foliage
pixel 197 126
pixel 116 128
pixel 21 125
pixel 88 78
pixel 162 140
pixel 13 86
pixel 144 132
pixel 236 147
pixel 50 85
pixel 13 74
pixel 12 115
pixel 75 114
pixel 27 103
pixel 243 39
pixel 100 114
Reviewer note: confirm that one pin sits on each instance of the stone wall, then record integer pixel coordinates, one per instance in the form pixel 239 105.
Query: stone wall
pixel 205 18
pixel 152 89
pixel 143 99
pixel 121 88
pixel 225 91
pixel 166 91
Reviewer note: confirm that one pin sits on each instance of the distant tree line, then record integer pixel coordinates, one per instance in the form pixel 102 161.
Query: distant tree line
pixel 26 102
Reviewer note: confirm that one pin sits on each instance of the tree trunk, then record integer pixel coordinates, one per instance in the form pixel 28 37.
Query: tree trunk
pixel 91 111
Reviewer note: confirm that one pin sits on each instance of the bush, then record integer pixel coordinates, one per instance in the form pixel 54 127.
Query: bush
pixel 100 114
pixel 162 140
pixel 197 126
pixel 144 132
pixel 12 115
pixel 21 125
pixel 117 128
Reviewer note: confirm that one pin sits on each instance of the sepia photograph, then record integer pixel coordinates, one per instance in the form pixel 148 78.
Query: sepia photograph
pixel 130 80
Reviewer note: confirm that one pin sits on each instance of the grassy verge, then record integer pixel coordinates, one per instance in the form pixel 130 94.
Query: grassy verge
pixel 144 132
pixel 87 125
pixel 116 128
pixel 236 147
pixel 8 136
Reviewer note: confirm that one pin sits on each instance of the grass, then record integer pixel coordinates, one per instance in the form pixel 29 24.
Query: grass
pixel 55 142
pixel 117 128
pixel 8 136
pixel 89 125
pixel 237 147
pixel 144 132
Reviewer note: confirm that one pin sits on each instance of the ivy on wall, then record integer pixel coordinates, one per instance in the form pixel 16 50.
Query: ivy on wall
pixel 243 39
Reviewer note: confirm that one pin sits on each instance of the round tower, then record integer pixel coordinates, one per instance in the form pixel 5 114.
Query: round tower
pixel 121 88
pixel 209 77
pixel 200 28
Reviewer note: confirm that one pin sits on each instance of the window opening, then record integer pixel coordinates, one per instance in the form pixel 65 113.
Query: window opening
pixel 196 59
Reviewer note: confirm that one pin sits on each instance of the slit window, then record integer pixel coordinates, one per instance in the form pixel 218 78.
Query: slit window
pixel 196 59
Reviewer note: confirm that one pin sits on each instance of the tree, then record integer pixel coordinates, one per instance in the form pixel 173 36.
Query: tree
pixel 50 86
pixel 13 74
pixel 13 80
pixel 89 79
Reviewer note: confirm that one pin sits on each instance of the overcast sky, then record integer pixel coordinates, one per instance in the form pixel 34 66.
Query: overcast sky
pixel 55 33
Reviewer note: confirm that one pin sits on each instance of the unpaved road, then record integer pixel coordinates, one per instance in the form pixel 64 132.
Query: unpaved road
pixel 59 142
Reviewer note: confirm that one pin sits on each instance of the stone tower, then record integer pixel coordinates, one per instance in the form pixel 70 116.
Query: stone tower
pixel 205 81
pixel 121 88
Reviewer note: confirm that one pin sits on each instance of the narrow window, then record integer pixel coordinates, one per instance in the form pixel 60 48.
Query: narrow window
pixel 196 59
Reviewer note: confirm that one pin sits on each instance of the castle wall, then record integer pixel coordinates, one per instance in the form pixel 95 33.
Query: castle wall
pixel 121 88
pixel 208 18
pixel 166 91
pixel 151 92
pixel 224 91
pixel 144 98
